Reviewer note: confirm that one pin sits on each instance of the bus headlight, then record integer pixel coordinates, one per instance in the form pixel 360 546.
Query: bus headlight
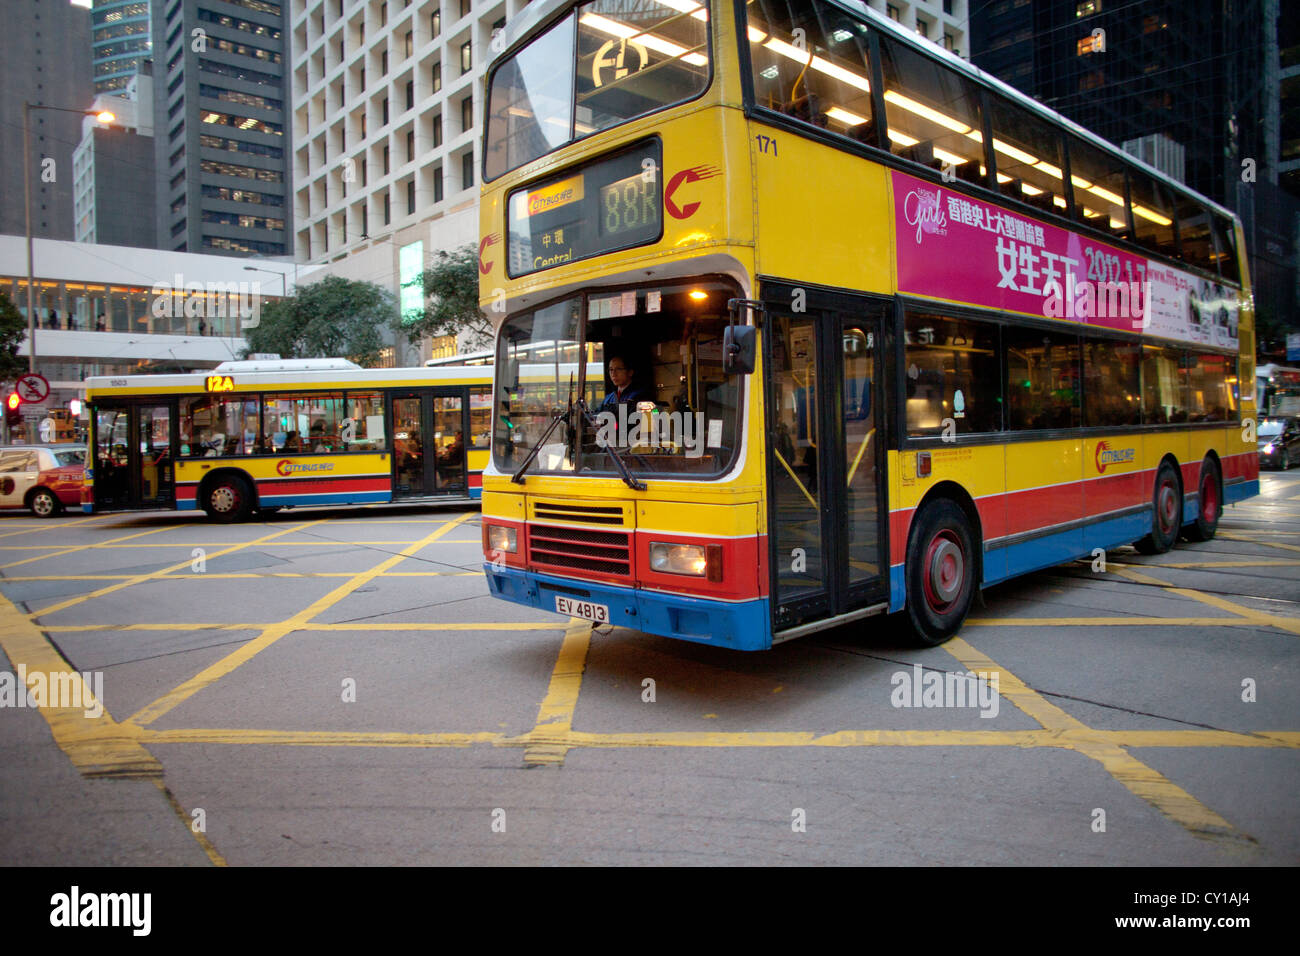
pixel 501 539
pixel 704 561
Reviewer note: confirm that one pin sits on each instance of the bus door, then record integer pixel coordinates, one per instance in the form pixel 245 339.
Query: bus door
pixel 429 432
pixel 133 461
pixel 826 461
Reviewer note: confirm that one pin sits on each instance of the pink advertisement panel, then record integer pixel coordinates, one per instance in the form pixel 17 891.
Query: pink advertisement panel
pixel 952 246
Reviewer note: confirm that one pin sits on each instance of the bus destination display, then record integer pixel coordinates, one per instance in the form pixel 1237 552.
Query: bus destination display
pixel 613 203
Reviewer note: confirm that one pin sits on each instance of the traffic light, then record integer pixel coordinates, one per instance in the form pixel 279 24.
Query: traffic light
pixel 13 415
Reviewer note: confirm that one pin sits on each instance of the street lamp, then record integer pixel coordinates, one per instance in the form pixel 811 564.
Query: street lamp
pixel 102 116
pixel 284 284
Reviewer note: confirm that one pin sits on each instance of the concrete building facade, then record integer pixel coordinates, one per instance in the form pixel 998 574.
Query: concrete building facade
pixel 46 62
pixel 222 137
pixel 115 187
pixel 120 42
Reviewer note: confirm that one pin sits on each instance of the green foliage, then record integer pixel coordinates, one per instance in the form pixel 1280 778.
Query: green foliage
pixel 334 317
pixel 13 329
pixel 451 301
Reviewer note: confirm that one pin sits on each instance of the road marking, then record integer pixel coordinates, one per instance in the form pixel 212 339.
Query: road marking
pixel 241 575
pixel 69 549
pixel 1250 614
pixel 352 626
pixel 140 578
pixel 204 843
pixel 1266 544
pixel 1112 622
pixel 546 741
pixel 1150 785
pixel 97 746
pixel 60 526
pixel 270 635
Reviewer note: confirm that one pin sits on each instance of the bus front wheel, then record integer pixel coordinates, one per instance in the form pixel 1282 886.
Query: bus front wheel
pixel 1167 516
pixel 940 572
pixel 229 499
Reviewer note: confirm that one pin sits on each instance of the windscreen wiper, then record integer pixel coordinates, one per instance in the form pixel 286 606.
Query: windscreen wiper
pixel 564 416
pixel 634 483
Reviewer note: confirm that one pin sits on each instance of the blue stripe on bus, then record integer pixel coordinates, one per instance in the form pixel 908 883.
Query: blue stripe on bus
pixel 739 625
pixel 1240 491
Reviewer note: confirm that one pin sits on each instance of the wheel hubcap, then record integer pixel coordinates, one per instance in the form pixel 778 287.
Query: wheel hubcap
pixel 1168 506
pixel 43 505
pixel 945 568
pixel 1209 499
pixel 223 499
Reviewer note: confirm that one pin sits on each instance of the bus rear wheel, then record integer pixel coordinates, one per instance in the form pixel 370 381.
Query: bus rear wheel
pixel 1208 505
pixel 228 499
pixel 940 572
pixel 1166 519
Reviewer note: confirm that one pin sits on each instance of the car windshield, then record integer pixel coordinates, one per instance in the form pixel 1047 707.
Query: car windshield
pixel 657 398
pixel 1270 429
pixel 629 59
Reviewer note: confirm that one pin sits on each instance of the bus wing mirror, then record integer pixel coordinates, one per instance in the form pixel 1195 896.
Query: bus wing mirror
pixel 738 349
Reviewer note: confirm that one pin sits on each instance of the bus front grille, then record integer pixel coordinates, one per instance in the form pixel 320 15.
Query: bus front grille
pixel 592 514
pixel 580 549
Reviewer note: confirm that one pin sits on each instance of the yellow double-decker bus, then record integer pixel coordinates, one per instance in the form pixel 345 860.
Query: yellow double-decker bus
pixel 257 436
pixel 843 326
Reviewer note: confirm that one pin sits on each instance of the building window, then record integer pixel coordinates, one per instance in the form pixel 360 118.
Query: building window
pixel 410 145
pixel 465 7
pixel 383 14
pixel 1091 44
pixel 437 131
pixel 435 23
pixel 1087 8
pixel 467 170
pixel 383 63
pixel 388 209
pixel 467 113
pixel 948 41
pixel 363 79
pixel 384 112
pixel 948 7
pixel 364 172
pixel 892 12
pixel 410 198
pixel 385 160
pixel 466 57
pixel 437 184
pixel 922 27
pixel 437 77
pixel 410 94
pixel 409 43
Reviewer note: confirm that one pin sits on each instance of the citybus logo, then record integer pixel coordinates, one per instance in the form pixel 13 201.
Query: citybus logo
pixel 284 467
pixel 208 300
pixel 1112 456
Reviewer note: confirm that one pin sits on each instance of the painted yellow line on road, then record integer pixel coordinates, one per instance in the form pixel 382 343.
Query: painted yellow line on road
pixel 109 546
pixel 97 746
pixel 47 526
pixel 1066 739
pixel 1175 803
pixel 1249 614
pixel 1265 544
pixel 1195 565
pixel 348 626
pixel 69 549
pixel 140 578
pixel 240 575
pixel 555 715
pixel 270 635
pixel 1109 621
pixel 188 822
pixel 313 738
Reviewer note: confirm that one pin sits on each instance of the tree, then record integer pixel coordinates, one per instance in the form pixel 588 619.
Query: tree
pixel 334 317
pixel 450 290
pixel 13 329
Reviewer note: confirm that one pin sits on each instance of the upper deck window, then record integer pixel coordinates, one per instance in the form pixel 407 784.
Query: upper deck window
pixel 602 65
pixel 812 62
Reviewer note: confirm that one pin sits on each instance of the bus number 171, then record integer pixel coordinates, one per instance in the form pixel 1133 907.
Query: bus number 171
pixel 766 144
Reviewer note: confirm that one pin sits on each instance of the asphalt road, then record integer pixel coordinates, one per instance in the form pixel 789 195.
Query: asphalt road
pixel 336 687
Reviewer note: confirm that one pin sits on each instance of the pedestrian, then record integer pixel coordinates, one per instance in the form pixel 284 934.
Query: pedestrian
pixel 99 324
pixel 53 321
pixel 203 327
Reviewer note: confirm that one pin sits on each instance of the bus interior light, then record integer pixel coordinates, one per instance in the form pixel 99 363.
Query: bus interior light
pixel 699 295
